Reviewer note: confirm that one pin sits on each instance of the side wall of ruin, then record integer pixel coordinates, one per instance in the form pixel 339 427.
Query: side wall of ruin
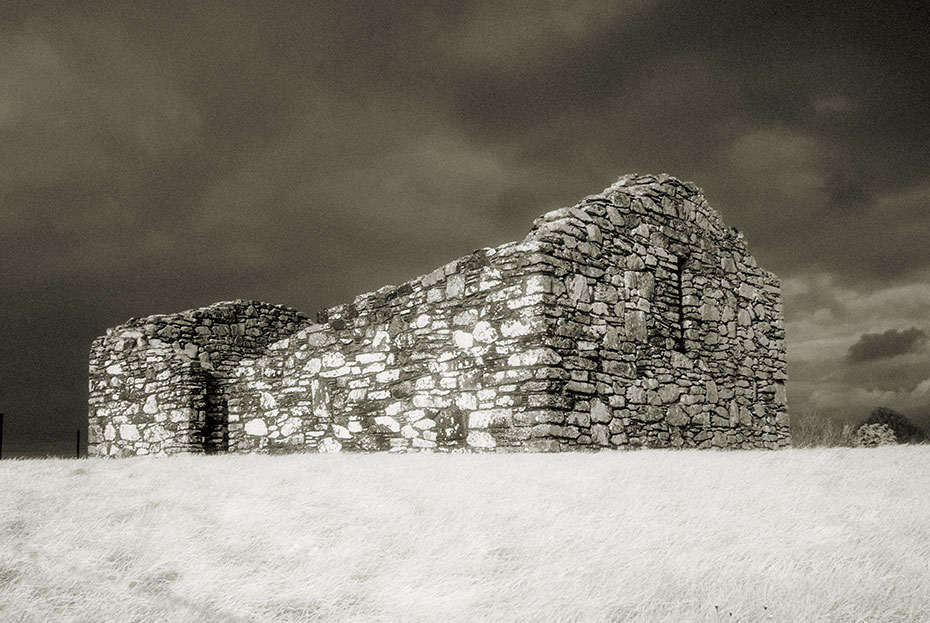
pixel 454 359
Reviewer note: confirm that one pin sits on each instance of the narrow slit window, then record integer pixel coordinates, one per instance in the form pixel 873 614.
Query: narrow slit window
pixel 667 321
pixel 678 334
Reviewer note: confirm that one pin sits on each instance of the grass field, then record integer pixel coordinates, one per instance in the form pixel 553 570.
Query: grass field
pixel 826 534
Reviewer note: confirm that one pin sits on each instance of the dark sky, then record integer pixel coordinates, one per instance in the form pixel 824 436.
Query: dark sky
pixel 156 157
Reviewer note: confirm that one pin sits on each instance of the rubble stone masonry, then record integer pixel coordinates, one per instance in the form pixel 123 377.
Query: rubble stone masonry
pixel 635 318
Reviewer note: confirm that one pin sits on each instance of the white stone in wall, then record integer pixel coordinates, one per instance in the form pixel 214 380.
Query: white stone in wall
pixel 669 393
pixel 466 401
pixel 463 339
pixel 289 427
pixel 115 369
pixel 455 286
pixel 388 376
pixel 381 341
pixel 600 413
pixel 537 284
pixel 485 395
pixel 577 287
pixel 781 396
pixel 635 394
pixel 636 325
pixel 484 332
pixel 151 405
pixel 489 417
pixel 525 301
pixel 256 427
pixel 313 366
pixel 329 445
pixel 600 434
pixel 388 422
pixel 109 433
pixel 430 401
pixel 465 318
pixel 533 357
pixel 341 432
pixel 676 416
pixel 333 360
pixel 742 318
pixel 425 382
pixel 128 432
pixel 516 328
pixel 268 401
pixel 480 439
pixel 155 434
pixel 408 431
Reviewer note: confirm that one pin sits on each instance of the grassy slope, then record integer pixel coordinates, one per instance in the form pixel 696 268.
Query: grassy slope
pixel 818 534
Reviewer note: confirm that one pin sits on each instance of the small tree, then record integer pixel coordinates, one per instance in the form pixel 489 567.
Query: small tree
pixel 903 429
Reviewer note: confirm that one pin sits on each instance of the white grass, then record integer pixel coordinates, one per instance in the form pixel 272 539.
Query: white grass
pixel 797 535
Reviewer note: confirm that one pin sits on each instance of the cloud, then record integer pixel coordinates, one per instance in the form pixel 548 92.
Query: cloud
pixel 885 345
pixel 835 336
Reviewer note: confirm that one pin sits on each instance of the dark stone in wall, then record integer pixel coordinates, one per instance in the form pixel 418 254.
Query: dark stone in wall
pixel 635 318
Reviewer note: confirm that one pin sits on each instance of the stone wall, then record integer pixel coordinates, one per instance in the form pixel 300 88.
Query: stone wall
pixel 456 358
pixel 669 334
pixel 160 384
pixel 635 318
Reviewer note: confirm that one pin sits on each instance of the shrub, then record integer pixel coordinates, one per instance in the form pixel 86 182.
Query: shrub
pixel 904 431
pixel 809 430
pixel 871 435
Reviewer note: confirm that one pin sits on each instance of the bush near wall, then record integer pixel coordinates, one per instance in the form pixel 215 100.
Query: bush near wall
pixel 904 430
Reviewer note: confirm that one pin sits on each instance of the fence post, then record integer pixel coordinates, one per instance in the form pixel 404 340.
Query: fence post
pixel 1 435
pixel 78 444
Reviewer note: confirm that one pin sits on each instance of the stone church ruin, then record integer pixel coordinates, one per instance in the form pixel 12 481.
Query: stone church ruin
pixel 635 318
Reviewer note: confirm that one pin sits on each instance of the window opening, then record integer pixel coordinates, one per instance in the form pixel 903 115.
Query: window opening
pixel 678 334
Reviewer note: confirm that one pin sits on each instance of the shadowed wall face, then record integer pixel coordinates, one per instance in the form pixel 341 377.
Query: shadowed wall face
pixel 669 333
pixel 635 318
